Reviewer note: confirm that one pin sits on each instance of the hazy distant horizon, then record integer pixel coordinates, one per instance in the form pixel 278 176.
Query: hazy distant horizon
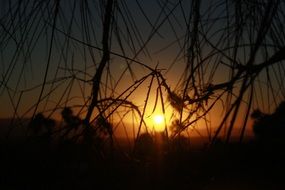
pixel 18 131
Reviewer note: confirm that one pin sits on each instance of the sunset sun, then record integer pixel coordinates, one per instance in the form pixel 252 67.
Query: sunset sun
pixel 158 121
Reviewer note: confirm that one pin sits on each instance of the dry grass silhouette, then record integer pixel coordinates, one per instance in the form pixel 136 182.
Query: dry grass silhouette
pixel 81 70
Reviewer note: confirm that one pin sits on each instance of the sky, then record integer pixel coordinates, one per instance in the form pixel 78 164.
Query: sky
pixel 62 48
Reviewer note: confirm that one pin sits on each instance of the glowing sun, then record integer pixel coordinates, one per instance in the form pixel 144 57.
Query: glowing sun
pixel 158 121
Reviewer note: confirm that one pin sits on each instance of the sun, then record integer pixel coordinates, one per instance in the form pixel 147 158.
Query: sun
pixel 158 121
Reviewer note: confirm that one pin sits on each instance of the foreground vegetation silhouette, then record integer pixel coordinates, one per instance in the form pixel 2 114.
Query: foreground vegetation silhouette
pixel 270 127
pixel 102 64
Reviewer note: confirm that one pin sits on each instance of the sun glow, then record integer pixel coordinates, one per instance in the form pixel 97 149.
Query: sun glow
pixel 158 122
